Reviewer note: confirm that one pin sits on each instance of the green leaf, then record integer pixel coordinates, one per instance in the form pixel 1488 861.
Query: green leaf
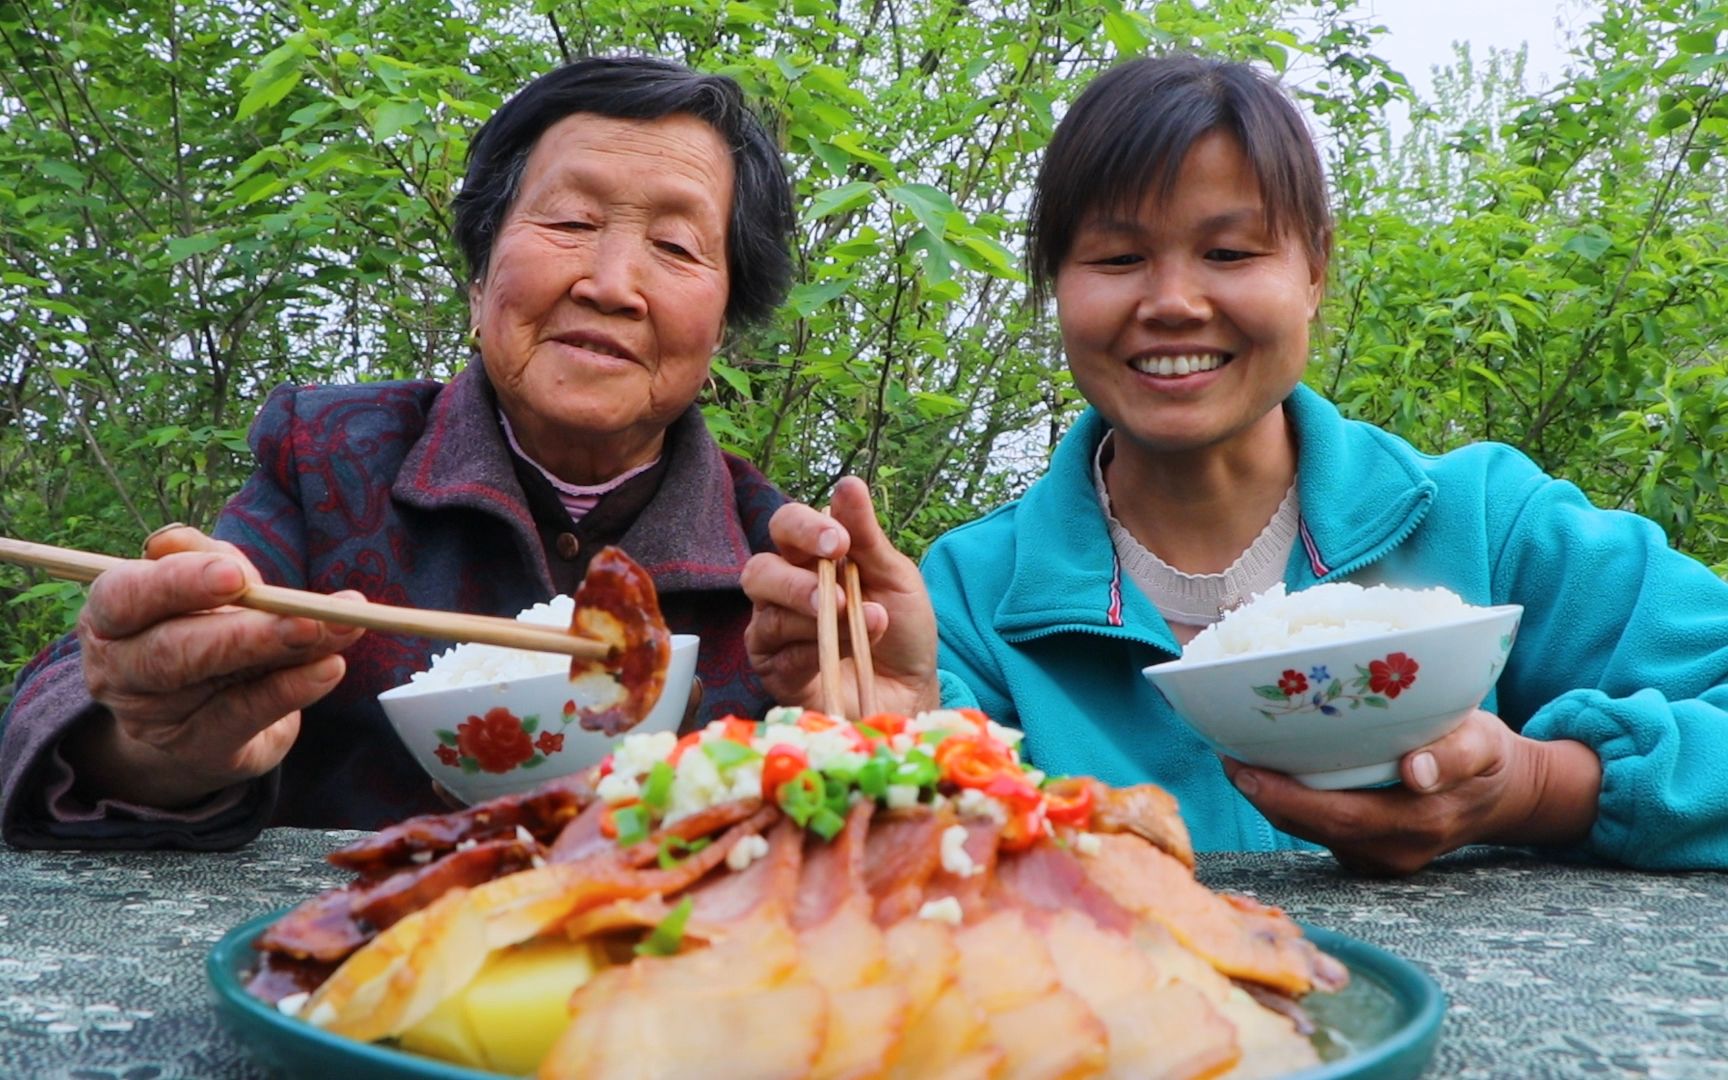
pixel 1124 32
pixel 808 298
pixel 63 173
pixel 1677 117
pixel 266 94
pixel 1271 693
pixel 739 381
pixel 839 200
pixel 930 205
pixel 1591 244
pixel 849 142
pixel 181 248
pixel 938 256
pixel 394 117
pixel 258 187
pixel 1701 41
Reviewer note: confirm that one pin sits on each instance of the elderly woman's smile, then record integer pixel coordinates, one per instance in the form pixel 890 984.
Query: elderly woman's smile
pixel 605 295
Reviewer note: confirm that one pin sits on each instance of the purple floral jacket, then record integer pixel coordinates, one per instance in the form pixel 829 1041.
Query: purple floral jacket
pixel 408 492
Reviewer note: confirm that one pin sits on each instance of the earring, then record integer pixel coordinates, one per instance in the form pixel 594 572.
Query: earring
pixel 474 337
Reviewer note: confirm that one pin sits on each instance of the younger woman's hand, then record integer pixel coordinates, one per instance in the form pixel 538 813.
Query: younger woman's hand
pixel 1481 783
pixel 781 637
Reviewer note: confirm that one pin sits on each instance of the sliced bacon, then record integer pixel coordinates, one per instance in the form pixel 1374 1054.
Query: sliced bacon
pixel 903 850
pixel 333 925
pixel 983 837
pixel 542 812
pixel 730 899
pixel 1050 878
pixel 1147 811
pixel 819 959
pixel 389 900
pixel 279 976
pixel 833 871
pixel 1260 945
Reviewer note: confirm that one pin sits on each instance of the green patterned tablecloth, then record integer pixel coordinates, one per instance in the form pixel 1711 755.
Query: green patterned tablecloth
pixel 1552 970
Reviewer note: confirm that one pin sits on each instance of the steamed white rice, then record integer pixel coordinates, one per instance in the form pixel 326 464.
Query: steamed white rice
pixel 1336 611
pixel 473 664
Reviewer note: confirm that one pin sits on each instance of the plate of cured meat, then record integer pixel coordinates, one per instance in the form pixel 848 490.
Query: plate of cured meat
pixel 809 897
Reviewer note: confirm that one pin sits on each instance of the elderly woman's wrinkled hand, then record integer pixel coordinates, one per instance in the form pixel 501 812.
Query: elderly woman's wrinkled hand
pixel 198 695
pixel 1481 783
pixel 781 638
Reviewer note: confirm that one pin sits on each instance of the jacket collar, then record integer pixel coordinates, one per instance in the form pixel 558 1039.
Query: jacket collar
pixel 688 537
pixel 1362 491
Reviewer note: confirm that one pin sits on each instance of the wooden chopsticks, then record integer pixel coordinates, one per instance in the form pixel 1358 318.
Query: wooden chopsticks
pixel 74 565
pixel 831 684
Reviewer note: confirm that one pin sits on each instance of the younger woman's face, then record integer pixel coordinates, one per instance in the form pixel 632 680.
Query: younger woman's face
pixel 1186 322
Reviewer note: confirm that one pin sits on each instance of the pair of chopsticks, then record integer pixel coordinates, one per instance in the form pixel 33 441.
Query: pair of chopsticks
pixel 73 565
pixel 828 641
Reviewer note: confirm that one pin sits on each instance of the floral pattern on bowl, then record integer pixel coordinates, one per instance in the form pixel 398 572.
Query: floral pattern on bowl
pixel 1375 685
pixel 500 741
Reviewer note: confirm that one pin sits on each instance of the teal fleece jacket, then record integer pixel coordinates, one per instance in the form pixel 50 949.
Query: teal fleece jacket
pixel 1623 644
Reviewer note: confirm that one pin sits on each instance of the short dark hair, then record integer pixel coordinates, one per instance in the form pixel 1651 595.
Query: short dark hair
pixel 759 233
pixel 1128 133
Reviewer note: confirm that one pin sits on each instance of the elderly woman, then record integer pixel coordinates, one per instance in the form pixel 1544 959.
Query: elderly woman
pixel 617 217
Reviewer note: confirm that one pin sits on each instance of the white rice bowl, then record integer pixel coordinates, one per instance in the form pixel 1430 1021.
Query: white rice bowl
pixel 1334 684
pixel 1333 612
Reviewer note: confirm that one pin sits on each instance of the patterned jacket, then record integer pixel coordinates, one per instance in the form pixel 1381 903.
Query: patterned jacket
pixel 408 492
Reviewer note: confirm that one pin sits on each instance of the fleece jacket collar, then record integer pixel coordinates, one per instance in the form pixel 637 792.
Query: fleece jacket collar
pixel 689 536
pixel 1362 493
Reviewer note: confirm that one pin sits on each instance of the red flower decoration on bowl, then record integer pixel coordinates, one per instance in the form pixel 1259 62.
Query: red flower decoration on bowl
pixel 549 743
pixel 448 755
pixel 1393 675
pixel 1293 682
pixel 496 741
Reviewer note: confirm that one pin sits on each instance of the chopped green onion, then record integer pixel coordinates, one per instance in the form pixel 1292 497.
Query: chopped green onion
pixel 841 775
pixel 826 823
pixel 728 755
pixel 931 738
pixel 632 822
pixel 917 770
pixel 803 795
pixel 674 849
pixel 870 733
pixel 873 778
pixel 668 936
pixel 657 791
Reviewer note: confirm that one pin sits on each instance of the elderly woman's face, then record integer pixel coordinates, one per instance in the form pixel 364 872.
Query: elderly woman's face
pixel 606 294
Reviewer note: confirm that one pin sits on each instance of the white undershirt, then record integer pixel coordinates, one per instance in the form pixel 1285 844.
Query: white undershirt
pixel 1199 600
pixel 578 499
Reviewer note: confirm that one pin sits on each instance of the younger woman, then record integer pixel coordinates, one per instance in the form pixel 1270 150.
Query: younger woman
pixel 1181 223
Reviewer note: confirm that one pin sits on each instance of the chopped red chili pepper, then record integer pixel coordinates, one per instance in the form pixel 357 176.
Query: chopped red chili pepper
pixel 684 743
pixel 739 730
pixel 889 724
pixel 972 761
pixel 1069 801
pixel 1014 790
pixel 1024 828
pixel 781 764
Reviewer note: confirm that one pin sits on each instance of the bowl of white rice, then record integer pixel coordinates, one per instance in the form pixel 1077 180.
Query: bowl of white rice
pixel 485 720
pixel 1336 683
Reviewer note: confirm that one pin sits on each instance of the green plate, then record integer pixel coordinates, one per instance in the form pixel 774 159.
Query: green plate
pixel 1384 1025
